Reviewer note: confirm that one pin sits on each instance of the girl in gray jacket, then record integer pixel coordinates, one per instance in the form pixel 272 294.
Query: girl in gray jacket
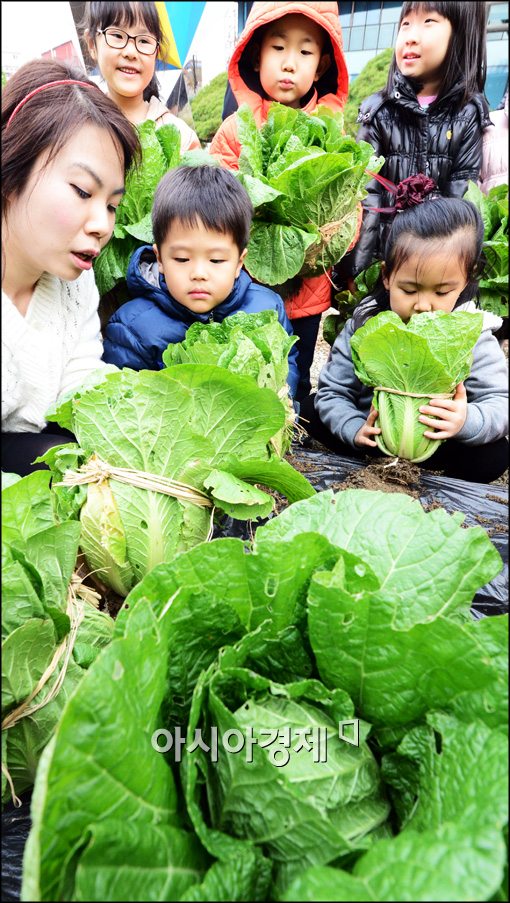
pixel 432 263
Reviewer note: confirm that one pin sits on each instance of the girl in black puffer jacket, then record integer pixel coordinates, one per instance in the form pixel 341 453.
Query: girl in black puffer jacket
pixel 430 117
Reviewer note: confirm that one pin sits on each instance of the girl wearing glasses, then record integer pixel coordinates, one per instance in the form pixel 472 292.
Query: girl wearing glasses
pixel 124 40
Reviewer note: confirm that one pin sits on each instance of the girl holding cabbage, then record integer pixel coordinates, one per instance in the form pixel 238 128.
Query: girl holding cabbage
pixel 379 361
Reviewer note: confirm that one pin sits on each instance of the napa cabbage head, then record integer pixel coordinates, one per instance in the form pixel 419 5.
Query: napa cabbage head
pixel 201 427
pixel 427 356
pixel 287 782
pixel 253 344
pixel 305 179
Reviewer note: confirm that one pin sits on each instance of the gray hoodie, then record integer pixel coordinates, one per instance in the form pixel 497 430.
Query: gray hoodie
pixel 343 402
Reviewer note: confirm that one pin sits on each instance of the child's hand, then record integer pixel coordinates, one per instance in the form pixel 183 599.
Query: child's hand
pixel 450 414
pixel 363 436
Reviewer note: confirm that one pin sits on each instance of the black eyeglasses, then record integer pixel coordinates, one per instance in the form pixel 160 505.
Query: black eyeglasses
pixel 118 38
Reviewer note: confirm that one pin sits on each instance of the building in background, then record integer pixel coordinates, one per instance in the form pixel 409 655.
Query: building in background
pixel 32 30
pixel 66 52
pixel 368 27
pixel 11 61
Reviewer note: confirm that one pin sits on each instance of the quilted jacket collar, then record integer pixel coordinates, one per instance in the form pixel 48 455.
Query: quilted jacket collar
pixel 144 278
pixel 404 94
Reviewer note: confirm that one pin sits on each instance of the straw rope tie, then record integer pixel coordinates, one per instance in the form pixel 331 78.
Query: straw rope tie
pixel 415 394
pixel 77 594
pixel 98 471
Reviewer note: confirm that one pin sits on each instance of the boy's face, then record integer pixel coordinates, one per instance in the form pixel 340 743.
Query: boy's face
pixel 200 266
pixel 291 58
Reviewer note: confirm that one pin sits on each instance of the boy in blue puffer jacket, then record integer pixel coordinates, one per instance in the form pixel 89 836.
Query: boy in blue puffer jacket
pixel 193 273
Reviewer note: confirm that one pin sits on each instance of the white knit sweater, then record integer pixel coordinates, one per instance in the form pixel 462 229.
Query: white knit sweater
pixel 50 350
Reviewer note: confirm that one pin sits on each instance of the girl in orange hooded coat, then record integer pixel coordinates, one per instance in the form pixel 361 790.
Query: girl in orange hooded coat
pixel 290 53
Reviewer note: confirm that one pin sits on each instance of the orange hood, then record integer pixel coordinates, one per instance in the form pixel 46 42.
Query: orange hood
pixel 331 87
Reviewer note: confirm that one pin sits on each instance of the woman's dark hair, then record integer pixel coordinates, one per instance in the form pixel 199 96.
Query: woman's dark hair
pixel 466 58
pixel 436 221
pixel 101 15
pixel 208 194
pixel 50 118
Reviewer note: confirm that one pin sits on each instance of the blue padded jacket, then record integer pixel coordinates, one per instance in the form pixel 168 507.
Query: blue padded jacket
pixel 141 329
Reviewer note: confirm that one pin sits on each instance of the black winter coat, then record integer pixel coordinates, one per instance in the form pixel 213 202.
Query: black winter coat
pixel 441 141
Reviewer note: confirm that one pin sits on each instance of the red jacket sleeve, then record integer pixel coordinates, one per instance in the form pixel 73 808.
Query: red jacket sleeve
pixel 225 144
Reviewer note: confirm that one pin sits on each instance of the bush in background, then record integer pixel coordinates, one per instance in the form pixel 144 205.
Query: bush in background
pixel 371 79
pixel 207 107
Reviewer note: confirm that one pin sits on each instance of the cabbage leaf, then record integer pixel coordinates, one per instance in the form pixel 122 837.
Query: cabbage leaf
pixel 493 209
pixel 305 178
pixel 254 345
pixel 199 425
pixel 292 630
pixel 38 560
pixel 427 356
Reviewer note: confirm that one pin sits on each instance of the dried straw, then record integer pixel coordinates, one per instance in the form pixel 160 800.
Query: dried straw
pixel 98 471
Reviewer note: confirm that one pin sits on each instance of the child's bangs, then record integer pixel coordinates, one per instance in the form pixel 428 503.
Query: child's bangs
pixel 407 244
pixel 461 243
pixel 193 219
pixel 129 15
pixel 427 7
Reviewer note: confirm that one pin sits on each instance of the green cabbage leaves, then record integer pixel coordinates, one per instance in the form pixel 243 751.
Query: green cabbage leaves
pixel 493 209
pixel 346 302
pixel 51 629
pixel 427 356
pixel 347 608
pixel 305 179
pixel 161 151
pixel 200 426
pixel 133 226
pixel 254 345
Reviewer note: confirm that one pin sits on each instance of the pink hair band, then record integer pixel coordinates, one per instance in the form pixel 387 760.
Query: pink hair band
pixel 62 81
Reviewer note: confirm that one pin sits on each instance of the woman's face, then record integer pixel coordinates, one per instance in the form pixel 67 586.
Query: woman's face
pixel 66 213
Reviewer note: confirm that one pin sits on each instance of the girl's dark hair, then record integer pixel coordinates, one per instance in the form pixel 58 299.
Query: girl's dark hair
pixel 50 118
pixel 435 220
pixel 466 58
pixel 208 194
pixel 101 15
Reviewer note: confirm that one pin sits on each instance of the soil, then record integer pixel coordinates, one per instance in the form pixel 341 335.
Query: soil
pixel 320 357
pixel 385 475
pixel 304 466
pixel 430 506
pixel 280 502
pixel 394 476
pixel 490 528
